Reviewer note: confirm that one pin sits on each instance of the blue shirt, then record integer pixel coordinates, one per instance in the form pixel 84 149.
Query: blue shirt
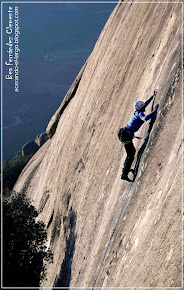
pixel 139 118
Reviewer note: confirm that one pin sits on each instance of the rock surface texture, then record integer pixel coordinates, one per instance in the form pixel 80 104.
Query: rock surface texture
pixel 29 148
pixel 41 139
pixel 103 231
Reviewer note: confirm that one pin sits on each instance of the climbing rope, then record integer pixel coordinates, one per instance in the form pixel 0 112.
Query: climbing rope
pixel 112 235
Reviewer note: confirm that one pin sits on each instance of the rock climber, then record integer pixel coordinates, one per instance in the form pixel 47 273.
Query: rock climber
pixel 127 133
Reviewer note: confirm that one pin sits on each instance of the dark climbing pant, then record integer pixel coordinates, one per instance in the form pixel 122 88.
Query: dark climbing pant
pixel 130 150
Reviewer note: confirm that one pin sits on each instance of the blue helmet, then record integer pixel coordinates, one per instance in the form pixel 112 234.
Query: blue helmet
pixel 139 105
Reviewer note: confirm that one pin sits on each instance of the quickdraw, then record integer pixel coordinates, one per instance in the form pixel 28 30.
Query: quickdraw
pixel 126 142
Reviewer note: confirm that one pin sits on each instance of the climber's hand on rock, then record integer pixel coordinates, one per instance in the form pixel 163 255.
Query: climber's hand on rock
pixel 156 107
pixel 155 92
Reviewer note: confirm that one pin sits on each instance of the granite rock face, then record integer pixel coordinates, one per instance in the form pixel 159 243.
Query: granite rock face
pixel 104 231
pixel 51 128
pixel 29 148
pixel 41 139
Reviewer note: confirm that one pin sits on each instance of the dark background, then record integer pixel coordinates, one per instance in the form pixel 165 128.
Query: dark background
pixel 55 41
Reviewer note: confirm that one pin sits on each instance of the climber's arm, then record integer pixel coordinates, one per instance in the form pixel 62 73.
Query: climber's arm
pixel 148 101
pixel 149 116
pixel 151 98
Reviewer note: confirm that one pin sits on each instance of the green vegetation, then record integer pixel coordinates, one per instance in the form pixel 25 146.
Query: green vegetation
pixel 24 239
pixel 11 171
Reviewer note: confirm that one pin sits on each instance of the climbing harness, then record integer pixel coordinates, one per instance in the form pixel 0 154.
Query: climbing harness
pixel 131 134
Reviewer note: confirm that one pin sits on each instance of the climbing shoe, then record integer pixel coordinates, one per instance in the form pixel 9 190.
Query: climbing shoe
pixel 125 177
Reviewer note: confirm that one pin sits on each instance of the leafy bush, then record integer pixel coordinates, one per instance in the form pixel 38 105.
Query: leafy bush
pixel 12 169
pixel 24 238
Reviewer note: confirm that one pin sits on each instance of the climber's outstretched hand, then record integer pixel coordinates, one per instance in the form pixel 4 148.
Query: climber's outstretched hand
pixel 155 93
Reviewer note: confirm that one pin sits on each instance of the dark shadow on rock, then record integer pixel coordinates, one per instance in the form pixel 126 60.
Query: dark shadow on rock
pixel 141 150
pixel 63 280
